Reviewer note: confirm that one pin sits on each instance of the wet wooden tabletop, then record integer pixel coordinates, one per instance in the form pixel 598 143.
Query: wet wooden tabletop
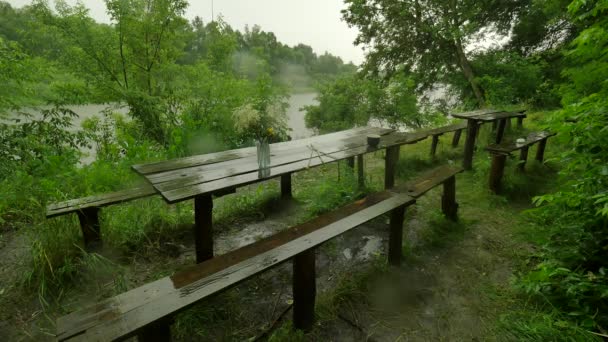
pixel 489 115
pixel 181 179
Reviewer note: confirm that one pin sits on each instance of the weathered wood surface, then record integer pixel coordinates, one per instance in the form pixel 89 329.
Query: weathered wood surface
pixel 467 115
pixel 469 144
pixel 175 192
pixel 206 173
pixel 212 158
pixel 509 147
pixel 125 314
pixel 429 180
pixel 498 116
pixel 447 129
pixel 395 239
pixel 61 208
pixel 497 170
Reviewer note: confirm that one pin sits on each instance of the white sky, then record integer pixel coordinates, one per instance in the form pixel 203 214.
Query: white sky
pixel 313 22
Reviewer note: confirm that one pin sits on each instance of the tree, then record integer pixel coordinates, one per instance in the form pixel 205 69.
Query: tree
pixel 428 37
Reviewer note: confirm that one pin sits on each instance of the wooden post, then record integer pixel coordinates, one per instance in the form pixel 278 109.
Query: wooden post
pixel 469 145
pixel 497 171
pixel 203 227
pixel 91 230
pixel 500 132
pixel 360 171
pixel 540 150
pixel 523 157
pixel 520 122
pixel 448 199
pixel 456 138
pixel 390 165
pixel 395 239
pixel 158 331
pixel 286 186
pixel 508 124
pixel 350 161
pixel 304 290
pixel 434 145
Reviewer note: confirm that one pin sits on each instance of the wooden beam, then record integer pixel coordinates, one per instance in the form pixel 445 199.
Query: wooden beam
pixel 286 186
pixel 304 290
pixel 540 150
pixel 203 227
pixel 360 171
pixel 91 230
pixel 448 199
pixel 469 145
pixel 157 331
pixel 456 138
pixel 390 166
pixel 497 171
pixel 395 240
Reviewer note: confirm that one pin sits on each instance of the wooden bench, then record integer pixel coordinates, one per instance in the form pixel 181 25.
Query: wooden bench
pixel 87 209
pixel 501 151
pixel 445 175
pixel 437 132
pixel 147 310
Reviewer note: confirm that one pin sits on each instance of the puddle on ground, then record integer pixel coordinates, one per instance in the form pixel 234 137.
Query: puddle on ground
pixel 373 244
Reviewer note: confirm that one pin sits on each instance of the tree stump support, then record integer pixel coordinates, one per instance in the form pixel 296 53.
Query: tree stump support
pixel 390 166
pixel 497 171
pixel 203 227
pixel 91 230
pixel 304 290
pixel 449 206
pixel 500 132
pixel 395 240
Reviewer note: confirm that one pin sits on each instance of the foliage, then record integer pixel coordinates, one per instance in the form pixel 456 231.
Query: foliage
pixel 572 275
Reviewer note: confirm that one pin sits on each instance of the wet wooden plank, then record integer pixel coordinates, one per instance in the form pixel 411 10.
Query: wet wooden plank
pixel 447 129
pixel 179 192
pixel 207 173
pixel 74 205
pixel 217 157
pixel 499 116
pixel 531 139
pixel 429 180
pixel 467 115
pixel 124 315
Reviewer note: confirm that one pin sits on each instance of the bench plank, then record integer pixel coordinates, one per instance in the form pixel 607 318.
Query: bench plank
pixel 74 205
pixel 447 129
pixel 531 139
pixel 429 180
pixel 123 315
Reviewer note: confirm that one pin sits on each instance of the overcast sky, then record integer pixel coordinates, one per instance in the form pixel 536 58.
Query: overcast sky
pixel 313 22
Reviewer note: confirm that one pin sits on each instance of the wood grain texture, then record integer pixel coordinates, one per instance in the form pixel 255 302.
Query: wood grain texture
pixel 123 315
pixel 429 180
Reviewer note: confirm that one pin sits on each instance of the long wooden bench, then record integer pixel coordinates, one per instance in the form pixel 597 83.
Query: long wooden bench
pixel 146 311
pixel 445 175
pixel 437 132
pixel 500 152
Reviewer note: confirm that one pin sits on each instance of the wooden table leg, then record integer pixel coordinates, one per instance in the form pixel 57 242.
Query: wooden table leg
pixel 286 186
pixel 448 199
pixel 395 239
pixel 520 122
pixel 304 290
pixel 203 227
pixel 360 171
pixel 540 150
pixel 508 124
pixel 497 171
pixel 494 125
pixel 91 230
pixel 500 132
pixel 456 138
pixel 469 145
pixel 350 161
pixel 434 145
pixel 392 157
pixel 523 157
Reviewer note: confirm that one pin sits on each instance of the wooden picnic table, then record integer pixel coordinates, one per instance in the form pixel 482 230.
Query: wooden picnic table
pixel 477 117
pixel 200 177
